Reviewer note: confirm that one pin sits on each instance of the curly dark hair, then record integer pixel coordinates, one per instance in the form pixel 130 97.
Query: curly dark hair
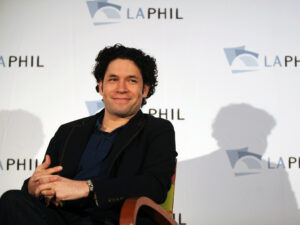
pixel 145 63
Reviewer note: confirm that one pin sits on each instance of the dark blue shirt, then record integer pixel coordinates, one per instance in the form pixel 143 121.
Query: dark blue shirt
pixel 91 162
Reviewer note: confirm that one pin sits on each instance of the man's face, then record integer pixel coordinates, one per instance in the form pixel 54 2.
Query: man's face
pixel 122 88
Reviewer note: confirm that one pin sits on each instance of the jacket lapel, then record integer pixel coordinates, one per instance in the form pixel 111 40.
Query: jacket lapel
pixel 126 135
pixel 76 144
pixel 80 135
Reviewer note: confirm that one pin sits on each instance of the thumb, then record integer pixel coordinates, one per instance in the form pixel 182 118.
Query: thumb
pixel 47 162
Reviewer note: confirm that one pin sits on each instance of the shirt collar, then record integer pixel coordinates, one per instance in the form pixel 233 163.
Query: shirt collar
pixel 99 126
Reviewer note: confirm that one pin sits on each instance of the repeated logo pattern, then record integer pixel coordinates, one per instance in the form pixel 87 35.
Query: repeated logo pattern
pixel 241 60
pixel 109 13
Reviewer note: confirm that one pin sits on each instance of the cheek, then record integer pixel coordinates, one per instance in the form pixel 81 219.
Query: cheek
pixel 107 89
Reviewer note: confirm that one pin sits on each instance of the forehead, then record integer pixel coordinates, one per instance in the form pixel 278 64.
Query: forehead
pixel 123 67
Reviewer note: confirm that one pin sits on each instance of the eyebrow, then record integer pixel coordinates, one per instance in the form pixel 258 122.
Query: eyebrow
pixel 112 75
pixel 130 76
pixel 133 76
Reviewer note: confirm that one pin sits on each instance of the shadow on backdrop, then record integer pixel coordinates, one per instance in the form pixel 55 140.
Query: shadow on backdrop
pixel 21 137
pixel 234 185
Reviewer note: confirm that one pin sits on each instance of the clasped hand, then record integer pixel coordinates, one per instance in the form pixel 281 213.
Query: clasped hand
pixel 55 188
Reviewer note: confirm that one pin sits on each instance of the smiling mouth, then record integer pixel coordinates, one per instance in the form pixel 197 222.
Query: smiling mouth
pixel 121 99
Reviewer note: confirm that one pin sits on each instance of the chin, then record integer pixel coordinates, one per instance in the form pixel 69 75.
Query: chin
pixel 124 114
pixel 123 111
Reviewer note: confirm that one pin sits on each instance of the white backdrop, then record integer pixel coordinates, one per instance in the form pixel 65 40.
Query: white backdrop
pixel 236 131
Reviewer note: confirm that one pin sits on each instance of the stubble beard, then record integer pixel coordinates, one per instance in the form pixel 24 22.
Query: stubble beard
pixel 122 113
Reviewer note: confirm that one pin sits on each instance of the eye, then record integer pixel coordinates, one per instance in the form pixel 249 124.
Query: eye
pixel 112 79
pixel 133 81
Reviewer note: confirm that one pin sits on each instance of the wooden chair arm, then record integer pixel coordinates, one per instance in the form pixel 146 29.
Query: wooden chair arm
pixel 131 207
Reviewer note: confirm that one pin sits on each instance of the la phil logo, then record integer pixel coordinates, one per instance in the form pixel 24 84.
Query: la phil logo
pixel 167 113
pixel 244 162
pixel 20 61
pixel 18 164
pixel 241 60
pixel 94 106
pixel 102 12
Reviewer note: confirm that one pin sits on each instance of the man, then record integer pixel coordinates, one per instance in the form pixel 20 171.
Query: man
pixel 93 164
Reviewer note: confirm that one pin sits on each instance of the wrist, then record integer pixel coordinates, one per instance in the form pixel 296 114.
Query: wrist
pixel 83 189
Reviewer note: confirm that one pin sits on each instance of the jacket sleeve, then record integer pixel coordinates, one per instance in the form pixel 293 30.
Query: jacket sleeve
pixel 154 178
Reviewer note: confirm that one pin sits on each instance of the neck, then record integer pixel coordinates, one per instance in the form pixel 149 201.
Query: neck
pixel 112 122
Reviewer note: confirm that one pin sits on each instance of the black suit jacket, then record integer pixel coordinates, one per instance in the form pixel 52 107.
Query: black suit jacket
pixel 142 158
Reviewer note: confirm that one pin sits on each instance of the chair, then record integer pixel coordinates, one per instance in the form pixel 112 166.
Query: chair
pixel 161 214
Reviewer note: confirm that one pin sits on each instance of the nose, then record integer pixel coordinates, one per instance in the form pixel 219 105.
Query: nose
pixel 122 87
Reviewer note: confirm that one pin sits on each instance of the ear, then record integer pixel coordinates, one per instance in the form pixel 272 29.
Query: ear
pixel 100 85
pixel 146 90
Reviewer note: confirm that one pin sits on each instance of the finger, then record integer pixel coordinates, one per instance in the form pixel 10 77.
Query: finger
pixel 53 170
pixel 46 174
pixel 47 179
pixel 58 203
pixel 38 176
pixel 41 178
pixel 49 194
pixel 41 188
pixel 46 164
pixel 35 178
pixel 49 171
pixel 55 201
